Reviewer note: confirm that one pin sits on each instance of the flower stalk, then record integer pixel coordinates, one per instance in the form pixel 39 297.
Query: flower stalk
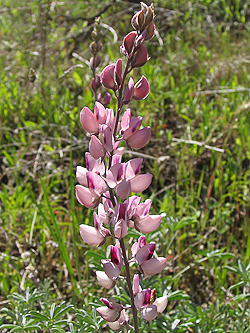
pixel 106 183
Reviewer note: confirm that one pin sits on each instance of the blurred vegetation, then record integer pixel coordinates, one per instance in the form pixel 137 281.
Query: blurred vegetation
pixel 199 154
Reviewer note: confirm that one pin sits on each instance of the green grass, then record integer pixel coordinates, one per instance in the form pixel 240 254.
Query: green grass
pixel 198 109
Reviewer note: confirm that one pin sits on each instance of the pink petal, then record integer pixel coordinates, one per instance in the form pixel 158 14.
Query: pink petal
pixel 108 140
pixel 107 77
pixel 108 314
pixel 81 175
pixel 84 196
pixel 96 148
pixel 129 40
pixel 154 266
pixel 136 284
pixel 149 223
pixel 96 183
pixel 95 165
pixel 115 174
pixel 136 246
pixel 141 89
pixel 116 256
pixel 149 313
pixel 141 182
pixel 121 229
pixel 145 253
pixel 118 71
pixel 88 121
pixel 112 270
pixel 134 126
pixel 142 298
pixel 123 189
pixel 100 113
pixel 104 280
pixel 140 138
pixel 129 92
pixel 133 168
pixel 161 303
pixel 126 119
pixel 90 235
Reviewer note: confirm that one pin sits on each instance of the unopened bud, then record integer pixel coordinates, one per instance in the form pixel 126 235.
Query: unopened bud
pixel 94 62
pixel 149 15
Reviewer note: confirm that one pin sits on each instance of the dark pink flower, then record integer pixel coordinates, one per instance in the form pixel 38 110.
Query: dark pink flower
pixel 140 57
pixel 108 77
pixel 141 89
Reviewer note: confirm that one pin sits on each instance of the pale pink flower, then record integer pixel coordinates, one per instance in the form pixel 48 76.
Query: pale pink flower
pixel 118 324
pixel 94 236
pixel 111 311
pixel 90 121
pixel 89 196
pixel 112 267
pixel 104 280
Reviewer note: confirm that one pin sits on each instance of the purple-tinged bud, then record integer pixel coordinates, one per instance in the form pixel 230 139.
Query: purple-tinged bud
pixel 150 31
pixel 116 256
pixel 106 99
pixel 94 62
pixel 118 72
pixel 141 89
pixel 96 83
pixel 134 22
pixel 129 92
pixel 108 77
pixel 129 41
pixel 149 15
pixel 140 57
pixel 95 47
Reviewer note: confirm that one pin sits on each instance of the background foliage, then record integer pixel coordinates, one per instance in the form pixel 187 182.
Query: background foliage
pixel 199 153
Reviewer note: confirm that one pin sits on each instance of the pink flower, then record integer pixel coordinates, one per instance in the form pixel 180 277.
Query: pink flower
pixel 108 77
pixel 131 133
pixel 124 178
pixel 104 280
pixel 113 267
pixel 145 301
pixel 143 255
pixel 89 196
pixel 94 236
pixel 111 311
pixel 91 121
pixel 118 324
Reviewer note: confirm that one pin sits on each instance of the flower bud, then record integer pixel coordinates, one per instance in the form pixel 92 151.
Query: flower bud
pixel 96 83
pixel 94 62
pixel 141 89
pixel 140 57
